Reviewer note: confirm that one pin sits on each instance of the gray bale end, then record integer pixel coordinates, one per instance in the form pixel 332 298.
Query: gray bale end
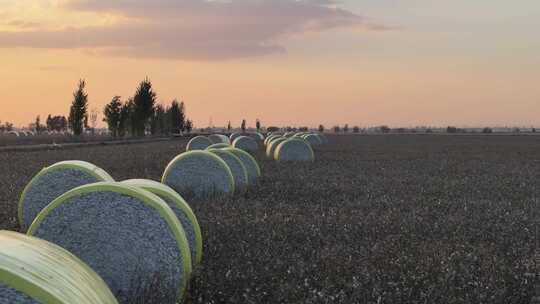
pixel 294 150
pixel 198 143
pixel 127 235
pixel 199 175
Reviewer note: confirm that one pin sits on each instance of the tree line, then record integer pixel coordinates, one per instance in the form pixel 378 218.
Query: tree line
pixel 137 116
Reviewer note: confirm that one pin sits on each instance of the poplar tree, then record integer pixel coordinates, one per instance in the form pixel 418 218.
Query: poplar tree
pixel 78 112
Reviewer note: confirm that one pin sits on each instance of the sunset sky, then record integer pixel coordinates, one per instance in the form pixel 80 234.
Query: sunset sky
pixel 286 62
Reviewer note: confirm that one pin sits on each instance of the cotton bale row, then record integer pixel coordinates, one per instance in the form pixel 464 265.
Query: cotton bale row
pixel 289 134
pixel 219 138
pixel 25 133
pixel 321 136
pixel 313 139
pixel 182 210
pixel 34 271
pixel 218 146
pixel 279 133
pixel 295 150
pixel 256 136
pixel 199 175
pixel 198 143
pixel 236 166
pixel 246 143
pixel 269 138
pixel 129 236
pixel 53 181
pixel 234 136
pixel 272 145
pixel 252 167
pixel 13 133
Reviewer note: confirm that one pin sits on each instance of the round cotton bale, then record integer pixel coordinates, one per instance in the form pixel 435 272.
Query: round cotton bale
pixel 313 139
pixel 53 181
pixel 269 138
pixel 218 146
pixel 128 235
pixel 246 143
pixel 289 134
pixel 181 209
pixel 275 133
pixel 274 138
pixel 270 142
pixel 219 138
pixel 257 136
pixel 34 271
pixel 321 136
pixel 235 136
pixel 252 167
pixel 199 175
pixel 271 148
pixel 294 150
pixel 198 143
pixel 237 167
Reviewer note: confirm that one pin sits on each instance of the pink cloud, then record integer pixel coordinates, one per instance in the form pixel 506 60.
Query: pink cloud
pixel 193 29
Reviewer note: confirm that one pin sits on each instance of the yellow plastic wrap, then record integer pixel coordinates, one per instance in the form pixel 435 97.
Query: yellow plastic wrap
pixel 146 197
pixel 92 170
pixel 48 273
pixel 165 191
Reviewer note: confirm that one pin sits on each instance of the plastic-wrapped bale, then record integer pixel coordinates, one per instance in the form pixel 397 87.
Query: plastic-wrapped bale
pixel 235 136
pixel 13 133
pixel 323 138
pixel 218 146
pixel 289 134
pixel 53 181
pixel 128 235
pixel 294 149
pixel 269 138
pixel 246 143
pixel 271 148
pixel 275 133
pixel 257 136
pixel 198 143
pixel 313 139
pixel 252 167
pixel 274 138
pixel 199 175
pixel 34 271
pixel 237 167
pixel 181 209
pixel 219 138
